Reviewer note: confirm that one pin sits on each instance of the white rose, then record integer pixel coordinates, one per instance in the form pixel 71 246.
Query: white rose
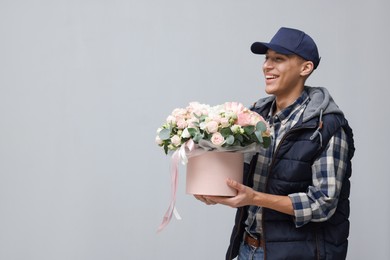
pixel 158 140
pixel 185 133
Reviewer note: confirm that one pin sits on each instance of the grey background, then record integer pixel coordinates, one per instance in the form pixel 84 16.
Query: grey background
pixel 85 84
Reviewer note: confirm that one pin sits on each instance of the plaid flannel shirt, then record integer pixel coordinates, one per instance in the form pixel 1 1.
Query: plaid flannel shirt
pixel 320 201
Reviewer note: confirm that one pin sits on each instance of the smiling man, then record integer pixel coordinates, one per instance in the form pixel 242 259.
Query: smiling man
pixel 294 202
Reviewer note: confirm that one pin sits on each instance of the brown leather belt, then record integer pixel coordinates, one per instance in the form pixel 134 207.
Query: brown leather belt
pixel 253 241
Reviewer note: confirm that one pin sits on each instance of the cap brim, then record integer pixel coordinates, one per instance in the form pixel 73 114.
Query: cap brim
pixel 262 48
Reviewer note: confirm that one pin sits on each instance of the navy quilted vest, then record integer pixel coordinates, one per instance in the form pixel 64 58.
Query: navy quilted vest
pixel 290 172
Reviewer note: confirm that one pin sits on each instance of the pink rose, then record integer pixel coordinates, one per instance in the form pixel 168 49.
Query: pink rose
pixel 244 119
pixel 255 118
pixel 248 117
pixel 192 123
pixel 198 109
pixel 181 123
pixel 217 139
pixel 176 140
pixel 179 112
pixel 224 122
pixel 171 119
pixel 234 107
pixel 212 127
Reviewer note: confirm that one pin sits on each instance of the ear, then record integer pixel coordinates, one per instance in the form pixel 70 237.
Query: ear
pixel 307 68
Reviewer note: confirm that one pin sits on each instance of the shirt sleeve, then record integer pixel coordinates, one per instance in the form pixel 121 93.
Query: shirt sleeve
pixel 320 201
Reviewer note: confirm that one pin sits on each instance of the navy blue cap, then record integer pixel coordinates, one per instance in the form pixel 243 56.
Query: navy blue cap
pixel 290 41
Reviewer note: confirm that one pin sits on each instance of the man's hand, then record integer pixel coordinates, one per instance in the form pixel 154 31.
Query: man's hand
pixel 247 196
pixel 244 196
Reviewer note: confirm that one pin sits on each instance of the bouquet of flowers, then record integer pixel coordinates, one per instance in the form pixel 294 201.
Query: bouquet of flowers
pixel 199 128
pixel 228 127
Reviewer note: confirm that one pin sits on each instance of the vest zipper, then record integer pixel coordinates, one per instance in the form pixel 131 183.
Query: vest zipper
pixel 318 247
pixel 269 171
pixel 278 147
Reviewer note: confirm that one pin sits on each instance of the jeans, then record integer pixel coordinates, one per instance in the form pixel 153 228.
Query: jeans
pixel 248 252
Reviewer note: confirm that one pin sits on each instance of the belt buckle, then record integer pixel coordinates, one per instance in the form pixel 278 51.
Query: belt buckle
pixel 253 242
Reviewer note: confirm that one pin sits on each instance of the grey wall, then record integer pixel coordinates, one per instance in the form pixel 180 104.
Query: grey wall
pixel 85 84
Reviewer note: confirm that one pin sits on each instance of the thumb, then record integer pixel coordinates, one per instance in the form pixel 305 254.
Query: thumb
pixel 235 185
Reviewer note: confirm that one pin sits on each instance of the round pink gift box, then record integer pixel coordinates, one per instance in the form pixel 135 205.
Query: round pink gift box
pixel 207 173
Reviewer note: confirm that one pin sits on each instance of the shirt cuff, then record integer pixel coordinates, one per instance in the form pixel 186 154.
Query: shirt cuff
pixel 302 208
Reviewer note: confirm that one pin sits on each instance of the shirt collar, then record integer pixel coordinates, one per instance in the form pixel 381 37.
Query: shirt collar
pixel 283 115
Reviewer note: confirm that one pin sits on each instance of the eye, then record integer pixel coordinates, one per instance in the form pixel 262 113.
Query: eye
pixel 278 59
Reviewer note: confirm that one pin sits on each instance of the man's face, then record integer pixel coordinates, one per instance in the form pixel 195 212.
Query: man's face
pixel 282 73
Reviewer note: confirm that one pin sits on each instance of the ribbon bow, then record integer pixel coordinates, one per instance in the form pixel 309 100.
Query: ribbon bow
pixel 178 155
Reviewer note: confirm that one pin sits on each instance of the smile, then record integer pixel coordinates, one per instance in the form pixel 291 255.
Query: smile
pixel 271 76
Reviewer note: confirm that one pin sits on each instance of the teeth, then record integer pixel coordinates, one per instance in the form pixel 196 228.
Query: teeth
pixel 270 77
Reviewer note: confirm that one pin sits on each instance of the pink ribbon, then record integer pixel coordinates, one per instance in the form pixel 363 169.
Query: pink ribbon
pixel 176 156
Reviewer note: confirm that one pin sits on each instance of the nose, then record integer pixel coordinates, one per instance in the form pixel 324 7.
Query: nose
pixel 267 65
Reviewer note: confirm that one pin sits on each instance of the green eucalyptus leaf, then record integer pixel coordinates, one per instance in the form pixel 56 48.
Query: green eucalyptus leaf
pixel 230 140
pixel 165 134
pixel 225 132
pixel 192 131
pixel 239 138
pixel 249 129
pixel 197 137
pixel 202 118
pixel 259 136
pixel 266 142
pixel 197 116
pixel 261 126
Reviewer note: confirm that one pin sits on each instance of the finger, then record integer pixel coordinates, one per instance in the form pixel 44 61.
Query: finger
pixel 228 201
pixel 198 197
pixel 204 199
pixel 210 202
pixel 235 185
